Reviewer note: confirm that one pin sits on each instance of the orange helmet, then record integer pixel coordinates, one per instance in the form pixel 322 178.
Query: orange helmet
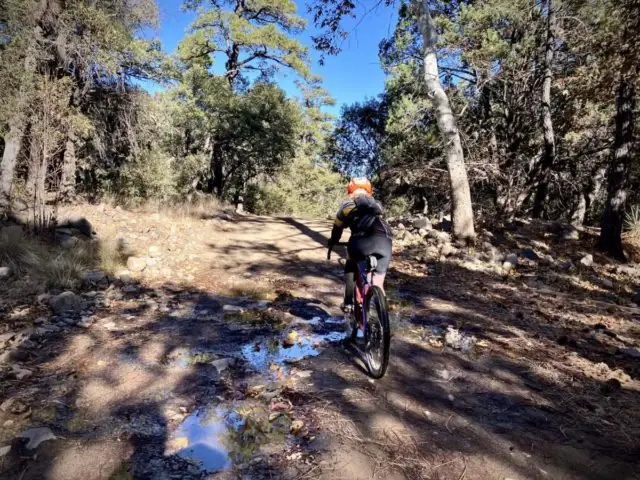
pixel 359 183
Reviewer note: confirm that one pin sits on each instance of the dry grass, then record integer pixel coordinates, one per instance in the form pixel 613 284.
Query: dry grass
pixel 50 266
pixel 631 236
pixel 190 207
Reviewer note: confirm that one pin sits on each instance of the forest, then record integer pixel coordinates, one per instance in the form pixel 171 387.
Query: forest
pixel 492 110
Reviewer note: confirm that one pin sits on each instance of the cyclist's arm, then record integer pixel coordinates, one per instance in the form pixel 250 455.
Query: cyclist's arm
pixel 341 221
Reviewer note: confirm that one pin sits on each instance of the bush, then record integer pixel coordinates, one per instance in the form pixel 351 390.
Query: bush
pixel 149 175
pixel 303 189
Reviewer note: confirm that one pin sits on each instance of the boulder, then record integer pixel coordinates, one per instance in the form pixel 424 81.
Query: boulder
pixel 76 226
pixel 66 302
pixel 136 264
pixel 422 223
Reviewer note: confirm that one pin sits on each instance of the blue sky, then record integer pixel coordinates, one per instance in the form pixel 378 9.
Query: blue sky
pixel 351 76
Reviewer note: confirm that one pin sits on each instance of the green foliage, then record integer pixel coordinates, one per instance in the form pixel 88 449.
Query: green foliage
pixel 303 189
pixel 632 222
pixel 147 175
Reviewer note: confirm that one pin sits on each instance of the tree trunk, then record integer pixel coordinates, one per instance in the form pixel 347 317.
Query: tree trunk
pixel 549 155
pixel 13 141
pixel 216 182
pixel 68 176
pixel 461 211
pixel 618 175
pixel 588 196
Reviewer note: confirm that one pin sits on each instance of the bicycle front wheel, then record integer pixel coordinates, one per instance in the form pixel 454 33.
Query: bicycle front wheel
pixel 378 334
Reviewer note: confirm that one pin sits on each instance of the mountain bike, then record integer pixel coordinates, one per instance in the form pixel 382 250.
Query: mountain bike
pixel 370 316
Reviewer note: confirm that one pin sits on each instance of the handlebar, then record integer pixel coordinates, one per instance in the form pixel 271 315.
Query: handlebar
pixel 339 244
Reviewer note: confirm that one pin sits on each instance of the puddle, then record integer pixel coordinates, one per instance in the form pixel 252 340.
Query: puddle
pixel 262 355
pixel 205 437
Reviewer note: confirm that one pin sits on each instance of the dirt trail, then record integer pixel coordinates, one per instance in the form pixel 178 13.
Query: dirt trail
pixel 186 375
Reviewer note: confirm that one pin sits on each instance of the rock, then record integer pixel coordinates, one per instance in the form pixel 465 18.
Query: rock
pixel 291 339
pixel 4 272
pixel 422 223
pixel 76 226
pixel 136 264
pixel 631 270
pixel 154 251
pixel 633 352
pixel 4 450
pixel 529 253
pixel 447 249
pixel 606 283
pixel 43 298
pixel 566 265
pixel 232 309
pixel 400 226
pixel 571 233
pixel 223 364
pixel 36 436
pixel 297 428
pixel 14 406
pixel 66 302
pixel 21 373
pixel 587 261
pixel 68 242
pixel 511 258
pixel 458 340
pixel 94 277
pixel 40 321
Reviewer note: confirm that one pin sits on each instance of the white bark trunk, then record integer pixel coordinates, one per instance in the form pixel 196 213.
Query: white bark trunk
pixel 462 211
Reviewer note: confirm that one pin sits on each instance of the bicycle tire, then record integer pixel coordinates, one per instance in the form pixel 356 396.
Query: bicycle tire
pixel 355 320
pixel 377 300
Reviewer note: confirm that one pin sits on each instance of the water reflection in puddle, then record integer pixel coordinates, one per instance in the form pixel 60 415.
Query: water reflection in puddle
pixel 263 354
pixel 204 437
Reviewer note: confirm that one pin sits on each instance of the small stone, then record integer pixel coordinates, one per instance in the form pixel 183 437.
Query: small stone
pixel 223 364
pixel 587 261
pixel 94 277
pixel 4 272
pixel 232 309
pixel 4 450
pixel 633 352
pixel 136 264
pixel 422 223
pixel 447 249
pixel 297 427
pixel 36 436
pixel 154 251
pixel 530 254
pixel 511 258
pixel 68 242
pixel 66 302
pixel 291 339
pixel 43 298
pixel 21 373
pixel 566 265
pixel 606 283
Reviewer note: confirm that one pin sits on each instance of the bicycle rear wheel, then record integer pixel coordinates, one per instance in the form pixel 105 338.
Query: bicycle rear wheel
pixel 378 334
pixel 355 319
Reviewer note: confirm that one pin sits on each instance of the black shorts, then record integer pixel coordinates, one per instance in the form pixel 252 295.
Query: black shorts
pixel 361 247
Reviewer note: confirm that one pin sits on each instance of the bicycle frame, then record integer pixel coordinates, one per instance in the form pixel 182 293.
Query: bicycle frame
pixel 363 283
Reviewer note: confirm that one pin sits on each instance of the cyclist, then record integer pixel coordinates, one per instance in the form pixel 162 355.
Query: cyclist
pixel 370 235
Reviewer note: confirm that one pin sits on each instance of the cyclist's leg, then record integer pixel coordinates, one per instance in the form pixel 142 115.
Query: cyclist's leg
pixel 349 282
pixel 379 246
